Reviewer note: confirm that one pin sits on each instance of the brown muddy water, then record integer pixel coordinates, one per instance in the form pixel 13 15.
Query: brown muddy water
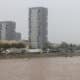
pixel 59 68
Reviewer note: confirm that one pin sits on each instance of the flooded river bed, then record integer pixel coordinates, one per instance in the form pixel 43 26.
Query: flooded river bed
pixel 59 68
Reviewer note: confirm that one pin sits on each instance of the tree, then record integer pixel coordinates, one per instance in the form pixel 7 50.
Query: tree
pixel 64 45
pixel 18 45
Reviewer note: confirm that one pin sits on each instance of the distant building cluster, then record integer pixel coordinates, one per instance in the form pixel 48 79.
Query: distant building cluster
pixel 38 24
pixel 7 31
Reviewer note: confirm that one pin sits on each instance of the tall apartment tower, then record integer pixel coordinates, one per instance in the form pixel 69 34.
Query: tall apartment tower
pixel 7 30
pixel 38 27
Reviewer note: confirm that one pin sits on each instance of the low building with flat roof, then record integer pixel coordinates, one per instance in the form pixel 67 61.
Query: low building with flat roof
pixel 18 36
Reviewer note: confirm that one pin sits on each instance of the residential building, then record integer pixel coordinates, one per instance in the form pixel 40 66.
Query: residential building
pixel 7 30
pixel 38 27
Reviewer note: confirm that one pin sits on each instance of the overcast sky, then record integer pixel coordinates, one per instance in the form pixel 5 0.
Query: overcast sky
pixel 63 17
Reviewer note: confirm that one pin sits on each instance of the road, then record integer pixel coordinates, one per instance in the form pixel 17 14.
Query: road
pixel 58 68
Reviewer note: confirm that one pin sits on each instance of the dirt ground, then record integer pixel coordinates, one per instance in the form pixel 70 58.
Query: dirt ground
pixel 58 68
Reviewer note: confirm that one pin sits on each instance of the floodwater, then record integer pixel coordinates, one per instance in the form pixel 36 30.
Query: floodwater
pixel 59 68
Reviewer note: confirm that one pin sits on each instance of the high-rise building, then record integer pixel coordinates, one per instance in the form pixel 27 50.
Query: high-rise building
pixel 38 27
pixel 7 30
pixel 2 32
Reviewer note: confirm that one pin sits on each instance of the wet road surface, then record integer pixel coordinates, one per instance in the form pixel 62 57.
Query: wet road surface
pixel 59 68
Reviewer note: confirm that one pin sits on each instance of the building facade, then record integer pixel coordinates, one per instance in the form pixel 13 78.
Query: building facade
pixel 18 36
pixel 7 30
pixel 38 27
